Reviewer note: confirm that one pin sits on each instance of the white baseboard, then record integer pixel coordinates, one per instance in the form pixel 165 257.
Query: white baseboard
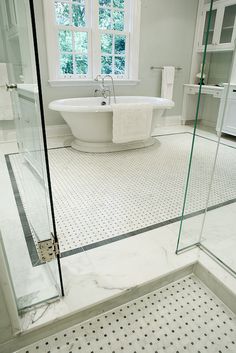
pixel 169 120
pixel 58 130
pixel 208 123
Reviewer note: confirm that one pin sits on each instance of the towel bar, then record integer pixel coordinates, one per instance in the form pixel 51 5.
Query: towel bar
pixel 161 68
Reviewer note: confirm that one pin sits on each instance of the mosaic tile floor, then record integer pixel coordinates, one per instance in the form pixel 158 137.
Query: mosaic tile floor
pixel 99 197
pixel 182 317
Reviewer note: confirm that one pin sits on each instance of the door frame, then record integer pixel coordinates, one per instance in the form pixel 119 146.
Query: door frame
pixel 44 136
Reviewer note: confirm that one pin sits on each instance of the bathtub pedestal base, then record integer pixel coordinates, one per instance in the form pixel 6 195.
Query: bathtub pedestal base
pixel 102 147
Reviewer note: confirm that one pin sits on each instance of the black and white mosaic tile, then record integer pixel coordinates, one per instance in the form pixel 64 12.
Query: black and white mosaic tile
pixel 182 317
pixel 100 198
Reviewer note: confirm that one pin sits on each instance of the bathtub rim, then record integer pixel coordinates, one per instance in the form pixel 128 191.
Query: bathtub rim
pixel 61 105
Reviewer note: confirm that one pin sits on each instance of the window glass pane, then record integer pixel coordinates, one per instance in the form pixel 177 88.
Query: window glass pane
pixel 106 62
pixel 118 3
pixel 81 64
pixel 81 42
pixel 105 18
pixel 66 63
pixel 120 44
pixel 119 65
pixel 118 20
pixel 62 13
pixel 106 43
pixel 65 40
pixel 78 15
pixel 105 2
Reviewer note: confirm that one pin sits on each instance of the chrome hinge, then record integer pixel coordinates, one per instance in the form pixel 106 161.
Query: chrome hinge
pixel 48 250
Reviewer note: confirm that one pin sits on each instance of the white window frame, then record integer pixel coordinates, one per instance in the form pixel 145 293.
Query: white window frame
pixel 132 31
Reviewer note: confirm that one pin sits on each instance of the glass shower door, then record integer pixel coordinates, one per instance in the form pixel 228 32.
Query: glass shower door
pixel 39 275
pixel 211 183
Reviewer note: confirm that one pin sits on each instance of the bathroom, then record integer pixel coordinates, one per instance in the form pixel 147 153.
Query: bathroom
pixel 94 220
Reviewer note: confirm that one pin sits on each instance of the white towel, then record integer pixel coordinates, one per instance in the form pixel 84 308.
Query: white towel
pixel 168 77
pixel 131 122
pixel 6 112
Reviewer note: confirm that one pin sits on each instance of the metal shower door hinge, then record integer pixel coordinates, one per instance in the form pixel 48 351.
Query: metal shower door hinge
pixel 48 250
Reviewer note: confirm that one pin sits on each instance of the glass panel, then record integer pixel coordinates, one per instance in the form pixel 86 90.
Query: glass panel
pixel 81 64
pixel 118 20
pixel 78 15
pixel 211 29
pixel 119 65
pixel 202 147
pixel 119 3
pixel 105 18
pixel 81 42
pixel 66 63
pixel 208 218
pixel 120 44
pixel 105 2
pixel 106 43
pixel 25 203
pixel 62 13
pixel 65 40
pixel 106 62
pixel 228 24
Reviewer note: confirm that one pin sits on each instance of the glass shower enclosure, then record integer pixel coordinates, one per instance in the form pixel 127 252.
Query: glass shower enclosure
pixel 27 222
pixel 209 208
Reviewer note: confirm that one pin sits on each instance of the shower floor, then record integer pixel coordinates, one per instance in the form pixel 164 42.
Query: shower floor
pixel 101 198
pixel 184 316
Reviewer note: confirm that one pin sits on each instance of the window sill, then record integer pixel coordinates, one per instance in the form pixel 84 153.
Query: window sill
pixel 81 83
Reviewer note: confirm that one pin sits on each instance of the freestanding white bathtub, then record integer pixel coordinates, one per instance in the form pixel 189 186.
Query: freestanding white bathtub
pixel 91 122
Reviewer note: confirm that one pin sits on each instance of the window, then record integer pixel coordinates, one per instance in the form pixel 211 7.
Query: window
pixel 90 37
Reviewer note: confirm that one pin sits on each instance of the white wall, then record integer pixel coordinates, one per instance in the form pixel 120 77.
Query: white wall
pixel 167 34
pixel 5 323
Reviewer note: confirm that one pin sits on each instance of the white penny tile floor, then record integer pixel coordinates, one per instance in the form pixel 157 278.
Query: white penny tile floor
pixel 182 317
pixel 103 197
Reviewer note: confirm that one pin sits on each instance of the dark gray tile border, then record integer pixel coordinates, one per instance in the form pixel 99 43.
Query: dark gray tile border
pixel 28 234
pixel 23 218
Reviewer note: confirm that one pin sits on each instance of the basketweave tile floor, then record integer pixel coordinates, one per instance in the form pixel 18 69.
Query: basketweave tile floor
pixel 100 198
pixel 183 316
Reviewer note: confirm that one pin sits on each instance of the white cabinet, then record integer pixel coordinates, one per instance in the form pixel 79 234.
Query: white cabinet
pixel 228 113
pixel 222 32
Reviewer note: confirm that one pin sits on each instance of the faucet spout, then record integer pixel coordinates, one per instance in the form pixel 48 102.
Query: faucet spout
pixel 113 86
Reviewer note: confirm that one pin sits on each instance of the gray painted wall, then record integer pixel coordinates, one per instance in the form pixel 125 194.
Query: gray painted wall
pixel 167 34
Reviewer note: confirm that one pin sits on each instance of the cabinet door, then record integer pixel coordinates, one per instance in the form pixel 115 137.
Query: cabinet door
pixel 203 32
pixel 227 29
